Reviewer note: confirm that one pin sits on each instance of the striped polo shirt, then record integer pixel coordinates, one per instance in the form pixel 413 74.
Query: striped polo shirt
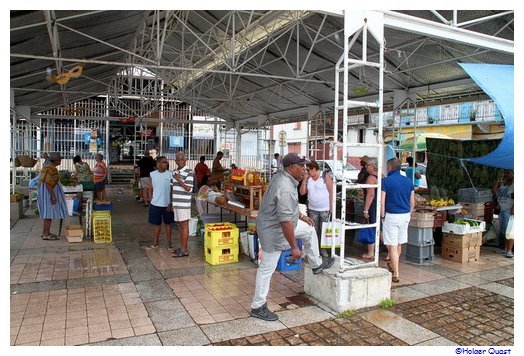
pixel 181 198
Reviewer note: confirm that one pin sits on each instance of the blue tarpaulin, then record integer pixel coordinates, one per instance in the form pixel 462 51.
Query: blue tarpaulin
pixel 496 80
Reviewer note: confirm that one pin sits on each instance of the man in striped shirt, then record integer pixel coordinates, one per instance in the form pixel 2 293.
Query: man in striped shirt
pixel 182 182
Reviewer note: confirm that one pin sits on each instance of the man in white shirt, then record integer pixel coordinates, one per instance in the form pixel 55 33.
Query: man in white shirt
pixel 160 208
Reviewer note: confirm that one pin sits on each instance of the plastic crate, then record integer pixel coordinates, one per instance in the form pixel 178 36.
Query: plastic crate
pixel 420 236
pixel 219 224
pixel 418 254
pixel 287 263
pixel 475 195
pixel 358 208
pixel 221 238
pixel 222 255
pixel 102 207
pixel 101 228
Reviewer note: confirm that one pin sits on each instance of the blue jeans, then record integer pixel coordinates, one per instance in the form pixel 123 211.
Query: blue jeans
pixel 503 224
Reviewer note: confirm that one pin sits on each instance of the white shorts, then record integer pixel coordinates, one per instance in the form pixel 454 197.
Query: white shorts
pixel 145 182
pixel 182 214
pixel 395 229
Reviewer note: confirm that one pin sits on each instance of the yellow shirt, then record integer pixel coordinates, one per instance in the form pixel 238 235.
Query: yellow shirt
pixel 49 175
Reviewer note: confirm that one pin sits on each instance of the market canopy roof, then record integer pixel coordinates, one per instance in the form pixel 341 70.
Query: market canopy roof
pixel 497 81
pixel 244 66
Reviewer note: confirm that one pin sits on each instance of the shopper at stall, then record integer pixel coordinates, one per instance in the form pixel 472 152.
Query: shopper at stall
pixel 50 195
pixel 279 225
pixel 201 171
pixel 370 203
pixel 363 174
pixel 411 172
pixel 183 180
pixel 398 202
pixel 146 165
pixel 83 173
pixel 217 170
pixel 318 185
pixel 160 209
pixel 100 174
pixel 503 190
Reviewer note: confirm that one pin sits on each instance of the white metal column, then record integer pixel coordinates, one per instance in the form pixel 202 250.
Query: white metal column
pixel 358 23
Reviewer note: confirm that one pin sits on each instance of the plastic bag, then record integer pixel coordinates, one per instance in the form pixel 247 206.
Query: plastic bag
pixel 509 229
pixel 492 233
pixel 331 234
pixel 366 235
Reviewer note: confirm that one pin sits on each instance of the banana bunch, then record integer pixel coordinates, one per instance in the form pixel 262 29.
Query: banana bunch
pixel 441 202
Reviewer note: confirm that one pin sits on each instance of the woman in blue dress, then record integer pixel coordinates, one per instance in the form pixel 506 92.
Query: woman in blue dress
pixel 50 195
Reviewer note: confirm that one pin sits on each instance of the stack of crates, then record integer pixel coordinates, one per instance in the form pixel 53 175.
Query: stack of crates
pixel 101 228
pixel 286 261
pixel 477 202
pixel 221 243
pixel 420 247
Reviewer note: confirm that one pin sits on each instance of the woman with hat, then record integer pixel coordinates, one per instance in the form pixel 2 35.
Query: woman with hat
pixel 50 195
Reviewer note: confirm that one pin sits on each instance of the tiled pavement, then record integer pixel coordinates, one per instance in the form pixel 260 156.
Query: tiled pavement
pixel 123 294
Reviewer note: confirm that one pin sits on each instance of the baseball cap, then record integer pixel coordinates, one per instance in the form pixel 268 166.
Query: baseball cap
pixel 293 158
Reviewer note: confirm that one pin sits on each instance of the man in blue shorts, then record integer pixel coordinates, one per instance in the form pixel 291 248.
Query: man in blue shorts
pixel 160 208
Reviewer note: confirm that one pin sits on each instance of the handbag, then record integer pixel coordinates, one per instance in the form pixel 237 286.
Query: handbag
pixel 496 206
pixel 331 234
pixel 366 235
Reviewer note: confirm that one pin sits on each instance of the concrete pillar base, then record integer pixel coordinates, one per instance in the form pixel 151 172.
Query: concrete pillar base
pixel 354 289
pixel 17 209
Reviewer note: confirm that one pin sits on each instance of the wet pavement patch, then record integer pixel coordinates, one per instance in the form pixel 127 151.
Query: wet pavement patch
pixel 301 300
pixel 341 331
pixel 471 316
pixel 507 282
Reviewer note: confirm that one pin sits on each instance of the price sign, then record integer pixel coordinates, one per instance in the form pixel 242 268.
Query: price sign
pixel 282 135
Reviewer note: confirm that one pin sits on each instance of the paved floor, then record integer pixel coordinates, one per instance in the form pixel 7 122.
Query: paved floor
pixel 122 293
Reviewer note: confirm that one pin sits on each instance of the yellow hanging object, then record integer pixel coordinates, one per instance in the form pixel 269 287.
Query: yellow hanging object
pixel 61 79
pixel 76 71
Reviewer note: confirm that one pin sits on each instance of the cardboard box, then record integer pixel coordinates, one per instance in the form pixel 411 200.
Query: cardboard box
pixel 459 255
pixel 74 233
pixel 462 241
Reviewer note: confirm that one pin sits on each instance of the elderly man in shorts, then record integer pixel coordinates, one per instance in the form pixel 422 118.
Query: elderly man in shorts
pixel 398 202
pixel 183 180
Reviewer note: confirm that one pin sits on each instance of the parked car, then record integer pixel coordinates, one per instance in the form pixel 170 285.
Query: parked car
pixel 421 168
pixel 350 173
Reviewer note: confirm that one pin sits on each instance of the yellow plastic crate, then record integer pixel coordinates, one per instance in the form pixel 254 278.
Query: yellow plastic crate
pixel 214 238
pixel 102 229
pixel 222 255
pixel 220 224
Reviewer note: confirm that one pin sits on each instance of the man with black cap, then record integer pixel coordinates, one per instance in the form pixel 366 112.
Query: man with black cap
pixel 279 225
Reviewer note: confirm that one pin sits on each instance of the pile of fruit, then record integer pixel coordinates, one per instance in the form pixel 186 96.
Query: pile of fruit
pixel 441 202
pixel 467 222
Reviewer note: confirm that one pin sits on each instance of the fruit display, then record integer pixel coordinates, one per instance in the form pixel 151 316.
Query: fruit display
pixel 467 222
pixel 440 202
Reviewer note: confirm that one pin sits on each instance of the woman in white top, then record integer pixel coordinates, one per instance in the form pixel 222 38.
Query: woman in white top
pixel 319 188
